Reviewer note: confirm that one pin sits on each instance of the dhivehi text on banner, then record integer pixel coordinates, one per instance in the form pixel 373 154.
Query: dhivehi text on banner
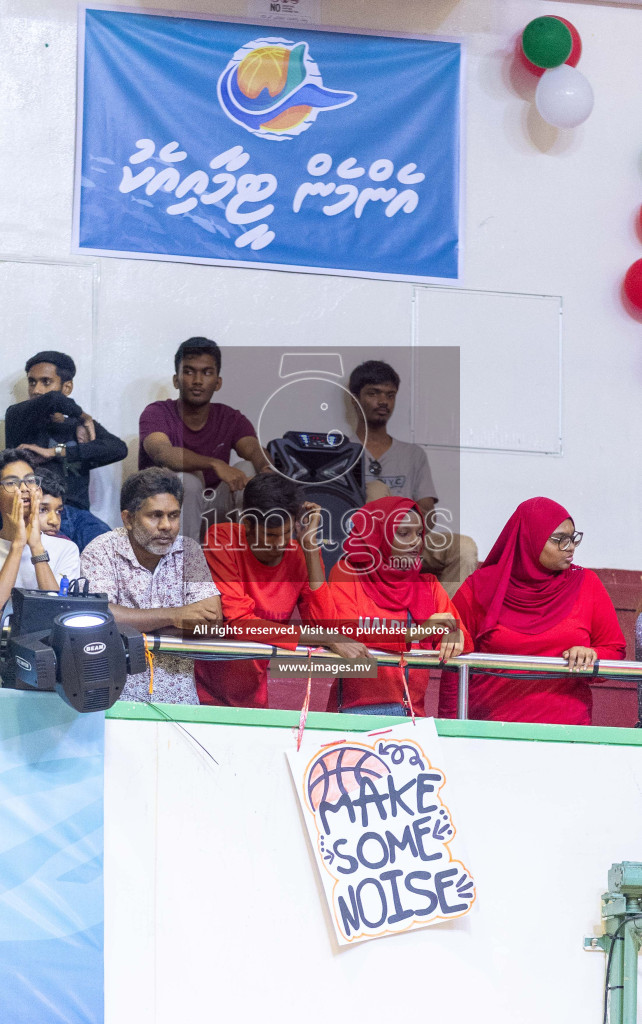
pixel 255 145
pixel 51 861
pixel 378 814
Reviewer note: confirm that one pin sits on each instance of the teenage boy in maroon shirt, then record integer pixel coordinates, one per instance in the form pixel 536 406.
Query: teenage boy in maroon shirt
pixel 195 437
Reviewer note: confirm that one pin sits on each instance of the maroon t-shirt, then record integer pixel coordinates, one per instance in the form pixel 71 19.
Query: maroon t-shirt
pixel 224 428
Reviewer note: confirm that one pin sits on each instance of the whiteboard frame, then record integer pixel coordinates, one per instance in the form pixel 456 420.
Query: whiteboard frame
pixel 556 452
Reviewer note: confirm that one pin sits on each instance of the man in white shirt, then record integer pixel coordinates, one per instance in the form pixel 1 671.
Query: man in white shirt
pixel 155 579
pixel 28 558
pixel 402 469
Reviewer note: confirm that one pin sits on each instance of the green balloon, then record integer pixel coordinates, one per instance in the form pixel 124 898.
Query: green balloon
pixel 547 42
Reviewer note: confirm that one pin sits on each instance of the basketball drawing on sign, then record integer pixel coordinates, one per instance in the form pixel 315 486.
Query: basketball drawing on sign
pixel 339 771
pixel 382 835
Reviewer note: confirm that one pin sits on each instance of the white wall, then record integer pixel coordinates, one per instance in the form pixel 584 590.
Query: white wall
pixel 545 212
pixel 215 912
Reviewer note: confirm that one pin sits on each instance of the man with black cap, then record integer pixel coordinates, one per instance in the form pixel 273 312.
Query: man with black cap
pixel 60 435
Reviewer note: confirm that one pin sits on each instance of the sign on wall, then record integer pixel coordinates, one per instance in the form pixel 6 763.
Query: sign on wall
pixel 382 832
pixel 295 149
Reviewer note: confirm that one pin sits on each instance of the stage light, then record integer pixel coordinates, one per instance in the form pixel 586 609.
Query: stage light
pixel 77 620
pixel 71 645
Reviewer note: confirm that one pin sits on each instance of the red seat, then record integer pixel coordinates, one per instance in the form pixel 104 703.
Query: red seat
pixel 615 701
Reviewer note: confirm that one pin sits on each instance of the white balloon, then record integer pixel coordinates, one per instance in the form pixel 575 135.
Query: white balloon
pixel 564 97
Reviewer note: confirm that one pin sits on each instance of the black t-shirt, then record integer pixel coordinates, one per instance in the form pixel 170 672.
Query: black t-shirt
pixel 30 422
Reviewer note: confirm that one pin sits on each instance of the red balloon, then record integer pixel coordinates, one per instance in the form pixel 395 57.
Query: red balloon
pixel 521 56
pixel 633 284
pixel 576 48
pixel 572 59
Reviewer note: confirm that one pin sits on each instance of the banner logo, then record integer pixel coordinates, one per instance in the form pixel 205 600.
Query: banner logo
pixel 274 89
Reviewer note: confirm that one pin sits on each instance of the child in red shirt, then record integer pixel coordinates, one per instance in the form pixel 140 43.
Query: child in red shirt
pixel 263 574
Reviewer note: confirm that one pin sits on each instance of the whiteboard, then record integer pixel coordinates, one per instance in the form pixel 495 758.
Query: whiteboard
pixel 51 304
pixel 510 369
pixel 46 305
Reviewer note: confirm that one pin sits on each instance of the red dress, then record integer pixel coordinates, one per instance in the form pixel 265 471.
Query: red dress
pixel 591 622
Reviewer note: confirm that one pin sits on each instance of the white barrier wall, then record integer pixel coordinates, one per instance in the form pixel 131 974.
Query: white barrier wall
pixel 214 911
pixel 545 212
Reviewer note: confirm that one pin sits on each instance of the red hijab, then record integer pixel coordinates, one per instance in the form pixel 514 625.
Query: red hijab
pixel 367 553
pixel 513 588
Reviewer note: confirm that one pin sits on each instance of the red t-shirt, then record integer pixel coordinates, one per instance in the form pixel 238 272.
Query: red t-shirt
pixel 224 429
pixel 553 699
pixel 351 603
pixel 256 593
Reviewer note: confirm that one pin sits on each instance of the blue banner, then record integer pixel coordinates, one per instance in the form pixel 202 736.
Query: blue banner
pixel 51 861
pixel 219 142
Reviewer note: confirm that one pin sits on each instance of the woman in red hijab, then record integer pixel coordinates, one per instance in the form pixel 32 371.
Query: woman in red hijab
pixel 528 598
pixel 378 586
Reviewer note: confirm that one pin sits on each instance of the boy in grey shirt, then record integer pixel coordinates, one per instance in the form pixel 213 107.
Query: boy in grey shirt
pixel 402 469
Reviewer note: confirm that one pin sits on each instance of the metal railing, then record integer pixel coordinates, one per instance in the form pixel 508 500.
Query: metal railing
pixel 464 665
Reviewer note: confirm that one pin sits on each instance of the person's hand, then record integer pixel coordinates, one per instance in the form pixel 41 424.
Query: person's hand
pixel 452 643
pixel 580 659
pixel 348 649
pixel 86 429
pixel 233 477
pixel 451 646
pixel 42 453
pixel 15 528
pixel 208 612
pixel 34 536
pixel 307 527
pixel 445 620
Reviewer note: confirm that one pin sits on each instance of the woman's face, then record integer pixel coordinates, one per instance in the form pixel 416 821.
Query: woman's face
pixel 408 542
pixel 551 557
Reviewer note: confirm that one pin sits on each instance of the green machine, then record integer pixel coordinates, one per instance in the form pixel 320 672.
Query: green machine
pixel 622 917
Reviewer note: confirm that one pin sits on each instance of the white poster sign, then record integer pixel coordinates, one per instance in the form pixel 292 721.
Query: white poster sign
pixel 377 810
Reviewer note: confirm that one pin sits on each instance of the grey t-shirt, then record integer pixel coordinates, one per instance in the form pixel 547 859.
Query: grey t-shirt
pixel 405 469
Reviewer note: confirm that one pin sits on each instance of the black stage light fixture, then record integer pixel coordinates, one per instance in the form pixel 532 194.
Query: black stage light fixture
pixel 68 644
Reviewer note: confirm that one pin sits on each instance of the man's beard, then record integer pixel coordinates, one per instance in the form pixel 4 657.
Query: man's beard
pixel 144 540
pixel 379 420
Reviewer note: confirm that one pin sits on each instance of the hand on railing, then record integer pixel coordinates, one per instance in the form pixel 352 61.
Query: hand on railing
pixel 580 659
pixel 452 643
pixel 348 649
pixel 504 663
